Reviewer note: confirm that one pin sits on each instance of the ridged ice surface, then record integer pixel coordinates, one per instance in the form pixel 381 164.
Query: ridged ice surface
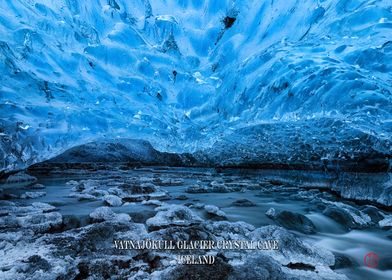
pixel 281 80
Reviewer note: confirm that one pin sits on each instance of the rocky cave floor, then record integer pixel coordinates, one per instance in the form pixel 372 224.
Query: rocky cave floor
pixel 63 225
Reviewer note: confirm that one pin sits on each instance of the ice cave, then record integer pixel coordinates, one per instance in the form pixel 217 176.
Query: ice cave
pixel 219 121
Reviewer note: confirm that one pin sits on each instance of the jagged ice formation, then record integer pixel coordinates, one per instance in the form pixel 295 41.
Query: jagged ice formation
pixel 244 82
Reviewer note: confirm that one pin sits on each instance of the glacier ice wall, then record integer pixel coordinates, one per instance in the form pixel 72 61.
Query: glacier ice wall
pixel 243 81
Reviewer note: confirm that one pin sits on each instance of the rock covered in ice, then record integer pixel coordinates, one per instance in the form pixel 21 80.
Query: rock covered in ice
pixel 169 181
pixel 28 259
pixel 138 191
pixel 197 189
pixel 112 200
pixel 104 213
pixel 230 230
pixel 71 183
pixel 83 185
pixel 82 196
pixel 87 190
pixel 152 202
pixel 219 270
pixel 214 212
pixel 20 178
pixel 221 187
pixel 32 194
pixel 213 187
pixel 181 197
pixel 257 266
pixel 37 187
pixel 41 222
pixel 271 213
pixel 172 215
pixel 343 261
pixel 137 188
pixel 122 218
pixel 347 215
pixel 386 222
pixel 291 220
pixel 260 266
pixel 292 250
pixel 44 207
pixel 318 273
pixel 293 260
pixel 38 217
pixel 243 203
pixel 374 213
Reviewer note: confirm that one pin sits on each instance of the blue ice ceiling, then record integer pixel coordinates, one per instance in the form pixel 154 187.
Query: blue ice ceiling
pixel 282 80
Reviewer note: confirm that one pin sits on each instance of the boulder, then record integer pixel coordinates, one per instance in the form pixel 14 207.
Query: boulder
pixel 291 220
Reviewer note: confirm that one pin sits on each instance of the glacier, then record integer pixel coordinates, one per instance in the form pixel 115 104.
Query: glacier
pixel 219 120
pixel 236 82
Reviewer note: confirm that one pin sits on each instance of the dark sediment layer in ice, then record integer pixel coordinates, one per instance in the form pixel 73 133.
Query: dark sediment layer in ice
pixel 227 155
pixel 129 152
pixel 374 187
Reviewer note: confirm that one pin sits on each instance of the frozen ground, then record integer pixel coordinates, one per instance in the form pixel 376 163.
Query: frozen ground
pixel 68 231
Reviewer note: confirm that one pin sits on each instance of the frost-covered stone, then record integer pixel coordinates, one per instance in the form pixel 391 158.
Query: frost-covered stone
pixel 71 183
pixel 318 273
pixel 257 266
pixel 347 215
pixel 219 270
pixel 44 207
pixel 291 220
pixel 214 212
pixel 122 218
pixel 82 196
pixel 271 213
pixel 172 215
pixel 169 181
pixel 112 200
pixel 37 187
pixel 221 187
pixel 197 189
pixel 291 249
pixel 103 213
pixel 139 192
pixel 386 222
pixel 230 230
pixel 213 187
pixel 374 213
pixel 87 190
pixel 243 203
pixel 32 194
pixel 182 197
pixel 21 179
pixel 41 222
pixel 152 202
